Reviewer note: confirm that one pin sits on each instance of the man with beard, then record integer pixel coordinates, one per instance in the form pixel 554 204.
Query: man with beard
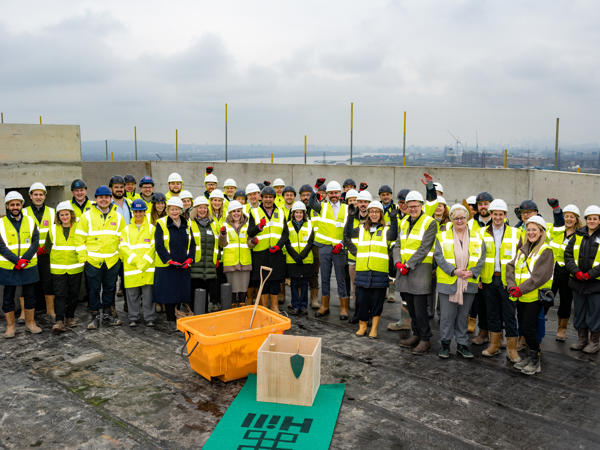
pixel 117 187
pixel 146 190
pixel 80 201
pixel 175 183
pixel 313 282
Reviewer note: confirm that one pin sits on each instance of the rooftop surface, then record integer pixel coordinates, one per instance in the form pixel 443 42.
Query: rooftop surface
pixel 141 393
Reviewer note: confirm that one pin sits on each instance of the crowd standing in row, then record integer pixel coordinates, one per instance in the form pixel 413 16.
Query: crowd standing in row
pixel 465 259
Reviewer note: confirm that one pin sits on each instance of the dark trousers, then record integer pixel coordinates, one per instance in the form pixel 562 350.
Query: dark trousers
pixel 209 285
pixel 560 284
pixel 528 321
pixel 479 310
pixel 44 286
pixel 587 311
pixel 419 319
pixel 102 280
pixel 314 280
pixel 299 288
pixel 66 289
pixel 369 302
pixel 500 309
pixel 8 298
pixel 170 311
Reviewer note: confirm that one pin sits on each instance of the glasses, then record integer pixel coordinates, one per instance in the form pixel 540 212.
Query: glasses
pixel 456 219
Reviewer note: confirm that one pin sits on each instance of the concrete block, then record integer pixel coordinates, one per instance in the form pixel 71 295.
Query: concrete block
pixel 86 359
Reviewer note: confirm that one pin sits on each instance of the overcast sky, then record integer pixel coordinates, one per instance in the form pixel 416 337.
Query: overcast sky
pixel 505 70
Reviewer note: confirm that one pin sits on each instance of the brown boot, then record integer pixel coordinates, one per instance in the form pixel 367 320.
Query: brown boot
pixel 409 342
pixel 521 343
pixel 50 306
pixel 512 354
pixel 494 347
pixel 30 324
pixel 362 328
pixel 59 327
pixel 421 348
pixel 10 325
pixel 21 319
pixel 481 338
pixel 344 304
pixel 251 295
pixel 582 339
pixel 594 344
pixel 374 325
pixel 502 341
pixel 264 300
pixel 275 304
pixel 70 322
pixel 281 295
pixel 314 298
pixel 472 324
pixel 324 309
pixel 561 333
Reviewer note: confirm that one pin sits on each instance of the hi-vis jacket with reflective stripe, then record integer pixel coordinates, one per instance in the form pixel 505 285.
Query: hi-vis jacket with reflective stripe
pixel 270 235
pixel 17 242
pixel 508 250
pixel 87 205
pixel 524 267
pixel 355 224
pixel 331 229
pixel 558 243
pixel 98 237
pixel 137 253
pixel 46 222
pixel 411 241
pixel 162 223
pixel 63 252
pixel 372 250
pixel 237 250
pixel 298 241
pixel 446 242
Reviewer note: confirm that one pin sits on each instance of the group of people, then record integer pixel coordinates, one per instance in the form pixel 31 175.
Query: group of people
pixel 463 260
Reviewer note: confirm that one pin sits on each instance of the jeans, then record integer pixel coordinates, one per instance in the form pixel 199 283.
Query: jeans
pixel 500 309
pixel 328 259
pixel 417 308
pixel 102 279
pixel 66 289
pixel 299 299
pixel 454 318
pixel 528 320
pixel 479 310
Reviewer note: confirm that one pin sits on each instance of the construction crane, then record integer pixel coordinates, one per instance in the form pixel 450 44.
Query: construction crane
pixel 458 142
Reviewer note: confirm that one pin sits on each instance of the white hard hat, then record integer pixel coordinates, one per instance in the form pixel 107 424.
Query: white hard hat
pixel 438 187
pixel 441 200
pixel 458 206
pixel 352 193
pixel 251 188
pixel 278 182
pixel 498 205
pixel 217 193
pixel 233 205
pixel 539 220
pixel 175 201
pixel 37 187
pixel 414 196
pixel 472 200
pixel 375 204
pixel 333 186
pixel 364 195
pixel 185 194
pixel 210 178
pixel 201 200
pixel 572 209
pixel 13 195
pixel 591 210
pixel 230 182
pixel 174 177
pixel 64 206
pixel 298 206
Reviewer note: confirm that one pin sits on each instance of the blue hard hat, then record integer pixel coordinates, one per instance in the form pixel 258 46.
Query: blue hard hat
pixel 146 180
pixel 139 205
pixel 78 184
pixel 103 190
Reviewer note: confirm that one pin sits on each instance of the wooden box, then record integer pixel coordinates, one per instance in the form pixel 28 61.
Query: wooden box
pixel 276 381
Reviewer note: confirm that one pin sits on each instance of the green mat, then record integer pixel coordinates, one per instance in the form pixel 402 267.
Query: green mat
pixel 248 424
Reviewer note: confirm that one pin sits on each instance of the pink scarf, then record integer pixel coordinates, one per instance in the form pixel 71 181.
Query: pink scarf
pixel 461 258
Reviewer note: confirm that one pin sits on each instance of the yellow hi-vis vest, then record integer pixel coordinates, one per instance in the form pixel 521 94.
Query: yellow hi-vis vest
pixel 131 196
pixel 77 210
pixel 98 238
pixel 46 222
pixel 298 240
pixel 410 242
pixel 331 228
pixel 137 253
pixel 523 273
pixel 508 250
pixel 446 240
pixel 577 247
pixel 198 240
pixel 218 221
pixel 17 242
pixel 237 251
pixel 372 250
pixel 558 244
pixel 162 223
pixel 354 240
pixel 271 233
pixel 63 255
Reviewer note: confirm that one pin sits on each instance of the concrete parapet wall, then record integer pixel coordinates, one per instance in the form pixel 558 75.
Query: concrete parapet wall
pixel 33 143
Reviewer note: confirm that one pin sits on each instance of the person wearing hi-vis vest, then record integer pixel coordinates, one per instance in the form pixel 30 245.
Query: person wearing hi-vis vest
pixel 136 249
pixel 582 260
pixel 529 272
pixel 65 267
pixel 413 257
pixel 501 242
pixel 460 255
pixel 269 231
pixel 237 256
pixel 299 257
pixel 373 239
pixel 80 201
pixel 329 240
pixel 44 217
pixel 19 240
pixel 98 235
pixel 175 183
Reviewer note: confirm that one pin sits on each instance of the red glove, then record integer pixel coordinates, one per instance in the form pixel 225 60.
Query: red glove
pixel 274 249
pixel 21 264
pixel 262 223
pixel 336 249
pixel 319 183
pixel 187 263
pixel 217 265
pixel 173 263
pixel 515 292
pixel 579 275
pixel 363 186
pixel 209 169
pixel 586 276
pixel 42 251
pixel 402 268
pixel 267 183
pixel 223 230
pixel 255 241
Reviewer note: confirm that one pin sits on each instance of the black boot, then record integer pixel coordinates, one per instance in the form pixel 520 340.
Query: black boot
pixel 444 352
pixel 535 365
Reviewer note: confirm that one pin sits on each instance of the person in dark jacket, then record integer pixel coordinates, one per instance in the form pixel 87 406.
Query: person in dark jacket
pixel 175 250
pixel 582 260
pixel 372 261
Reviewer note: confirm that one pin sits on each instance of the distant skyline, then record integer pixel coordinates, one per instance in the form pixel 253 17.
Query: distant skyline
pixel 500 70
